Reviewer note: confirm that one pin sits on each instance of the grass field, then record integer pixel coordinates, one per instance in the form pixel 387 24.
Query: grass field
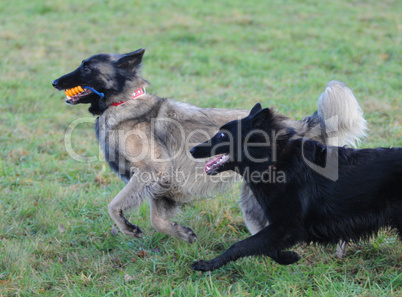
pixel 55 231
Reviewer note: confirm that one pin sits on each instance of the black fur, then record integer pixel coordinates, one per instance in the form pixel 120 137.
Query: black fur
pixel 307 206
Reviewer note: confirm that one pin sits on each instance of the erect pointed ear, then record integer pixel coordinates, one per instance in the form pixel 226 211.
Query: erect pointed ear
pixel 131 60
pixel 261 117
pixel 255 109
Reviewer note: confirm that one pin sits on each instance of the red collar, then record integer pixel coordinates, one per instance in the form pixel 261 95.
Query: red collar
pixel 137 93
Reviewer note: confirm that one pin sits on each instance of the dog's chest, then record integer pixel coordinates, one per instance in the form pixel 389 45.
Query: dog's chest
pixel 123 146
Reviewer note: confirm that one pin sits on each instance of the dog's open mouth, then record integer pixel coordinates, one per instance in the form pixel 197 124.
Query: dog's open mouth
pixel 213 165
pixel 73 95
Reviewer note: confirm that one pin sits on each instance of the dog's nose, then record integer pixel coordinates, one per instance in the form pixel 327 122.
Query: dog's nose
pixel 55 83
pixel 192 151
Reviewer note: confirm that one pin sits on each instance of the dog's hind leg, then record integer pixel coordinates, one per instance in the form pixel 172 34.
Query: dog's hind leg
pixel 253 214
pixel 161 210
pixel 270 242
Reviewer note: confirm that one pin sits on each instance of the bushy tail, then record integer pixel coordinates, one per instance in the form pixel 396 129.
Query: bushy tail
pixel 341 115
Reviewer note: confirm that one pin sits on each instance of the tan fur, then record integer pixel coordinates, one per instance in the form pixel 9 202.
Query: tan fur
pixel 173 125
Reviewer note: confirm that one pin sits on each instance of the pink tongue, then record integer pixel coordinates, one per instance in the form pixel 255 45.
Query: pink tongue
pixel 212 161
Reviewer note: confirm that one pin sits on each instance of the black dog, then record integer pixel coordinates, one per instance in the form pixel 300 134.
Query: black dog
pixel 308 191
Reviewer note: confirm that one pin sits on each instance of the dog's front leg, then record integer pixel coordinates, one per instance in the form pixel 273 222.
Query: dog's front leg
pixel 254 216
pixel 131 196
pixel 161 210
pixel 270 241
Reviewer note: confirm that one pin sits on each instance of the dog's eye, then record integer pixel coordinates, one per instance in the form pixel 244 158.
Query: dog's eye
pixel 223 135
pixel 86 68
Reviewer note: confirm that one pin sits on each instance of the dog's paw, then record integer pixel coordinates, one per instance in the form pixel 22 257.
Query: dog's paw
pixel 186 234
pixel 341 250
pixel 133 231
pixel 287 258
pixel 191 237
pixel 202 266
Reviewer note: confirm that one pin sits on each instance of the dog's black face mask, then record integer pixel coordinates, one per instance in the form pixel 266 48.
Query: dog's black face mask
pixel 220 146
pixel 239 142
pixel 105 75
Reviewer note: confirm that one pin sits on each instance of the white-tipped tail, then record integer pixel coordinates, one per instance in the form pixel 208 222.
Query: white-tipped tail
pixel 342 115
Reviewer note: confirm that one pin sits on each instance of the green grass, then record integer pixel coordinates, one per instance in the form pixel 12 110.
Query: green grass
pixel 55 232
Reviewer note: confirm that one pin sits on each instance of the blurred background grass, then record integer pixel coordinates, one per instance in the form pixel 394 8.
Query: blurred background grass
pixel 54 227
